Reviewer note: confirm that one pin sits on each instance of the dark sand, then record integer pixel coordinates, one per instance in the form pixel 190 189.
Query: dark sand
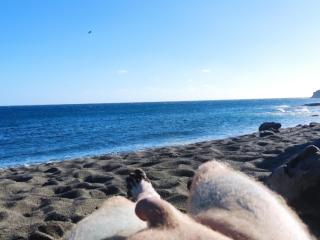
pixel 44 201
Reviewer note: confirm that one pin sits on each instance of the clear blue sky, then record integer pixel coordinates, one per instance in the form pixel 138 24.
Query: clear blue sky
pixel 145 50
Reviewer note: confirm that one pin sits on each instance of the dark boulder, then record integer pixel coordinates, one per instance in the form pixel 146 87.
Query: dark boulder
pixel 314 124
pixel 298 181
pixel 270 126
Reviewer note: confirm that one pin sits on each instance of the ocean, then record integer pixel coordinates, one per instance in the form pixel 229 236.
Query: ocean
pixel 37 134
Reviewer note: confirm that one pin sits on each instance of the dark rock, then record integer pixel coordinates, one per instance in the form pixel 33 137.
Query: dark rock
pixel 316 94
pixel 312 104
pixel 270 126
pixel 314 115
pixel 298 181
pixel 314 124
pixel 266 133
pixel 299 172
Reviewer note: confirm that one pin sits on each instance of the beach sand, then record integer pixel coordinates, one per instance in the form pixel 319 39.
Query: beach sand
pixel 44 201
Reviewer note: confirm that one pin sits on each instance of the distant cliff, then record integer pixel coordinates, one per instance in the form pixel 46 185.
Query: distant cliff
pixel 316 94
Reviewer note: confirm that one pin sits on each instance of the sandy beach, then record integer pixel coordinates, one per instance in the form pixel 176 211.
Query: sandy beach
pixel 44 201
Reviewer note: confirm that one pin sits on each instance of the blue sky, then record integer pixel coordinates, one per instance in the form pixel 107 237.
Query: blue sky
pixel 143 50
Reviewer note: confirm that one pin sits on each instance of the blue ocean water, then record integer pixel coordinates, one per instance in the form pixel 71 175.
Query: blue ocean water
pixel 33 134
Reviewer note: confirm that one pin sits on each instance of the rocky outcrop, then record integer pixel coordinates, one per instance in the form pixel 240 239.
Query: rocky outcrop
pixel 298 181
pixel 316 94
pixel 297 174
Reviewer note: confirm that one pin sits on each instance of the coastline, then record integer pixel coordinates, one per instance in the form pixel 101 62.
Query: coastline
pixel 48 199
pixel 52 133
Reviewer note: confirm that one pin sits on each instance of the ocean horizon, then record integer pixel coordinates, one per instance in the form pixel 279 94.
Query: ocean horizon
pixel 40 133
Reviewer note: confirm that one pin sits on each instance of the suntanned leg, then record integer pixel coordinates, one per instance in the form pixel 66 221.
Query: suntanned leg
pixel 164 220
pixel 237 206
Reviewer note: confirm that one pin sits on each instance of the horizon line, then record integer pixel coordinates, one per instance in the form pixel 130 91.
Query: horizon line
pixel 137 102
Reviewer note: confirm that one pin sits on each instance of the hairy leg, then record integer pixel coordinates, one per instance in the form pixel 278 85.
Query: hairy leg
pixel 164 220
pixel 237 206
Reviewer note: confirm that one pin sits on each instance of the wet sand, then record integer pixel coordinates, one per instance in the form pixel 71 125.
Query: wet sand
pixel 44 201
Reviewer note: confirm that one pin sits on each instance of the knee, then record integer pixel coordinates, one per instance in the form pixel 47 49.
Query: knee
pixel 156 212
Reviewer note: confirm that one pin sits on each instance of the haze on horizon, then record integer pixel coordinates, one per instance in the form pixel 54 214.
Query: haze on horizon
pixel 142 51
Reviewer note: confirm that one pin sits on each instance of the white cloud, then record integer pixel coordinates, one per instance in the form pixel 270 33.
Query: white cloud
pixel 205 70
pixel 122 71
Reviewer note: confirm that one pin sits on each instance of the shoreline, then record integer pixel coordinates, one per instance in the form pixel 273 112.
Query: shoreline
pixel 47 199
pixel 138 149
pixel 55 134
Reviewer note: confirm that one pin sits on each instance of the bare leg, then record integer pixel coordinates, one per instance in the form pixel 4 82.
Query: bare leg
pixel 164 220
pixel 237 206
pixel 115 218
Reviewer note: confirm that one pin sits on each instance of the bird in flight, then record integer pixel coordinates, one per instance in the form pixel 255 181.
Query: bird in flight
pixel 89 32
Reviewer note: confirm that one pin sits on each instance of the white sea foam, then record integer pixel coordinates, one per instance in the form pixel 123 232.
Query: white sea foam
pixel 291 110
pixel 302 109
pixel 282 108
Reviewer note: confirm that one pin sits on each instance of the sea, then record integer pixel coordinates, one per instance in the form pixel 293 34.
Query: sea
pixel 38 134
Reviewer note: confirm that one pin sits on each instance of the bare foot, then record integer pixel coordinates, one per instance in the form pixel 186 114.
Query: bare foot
pixel 139 186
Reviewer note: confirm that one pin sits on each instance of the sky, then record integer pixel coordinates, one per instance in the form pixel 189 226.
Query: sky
pixel 157 50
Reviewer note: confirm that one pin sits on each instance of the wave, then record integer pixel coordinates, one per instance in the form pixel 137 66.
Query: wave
pixel 291 110
pixel 282 108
